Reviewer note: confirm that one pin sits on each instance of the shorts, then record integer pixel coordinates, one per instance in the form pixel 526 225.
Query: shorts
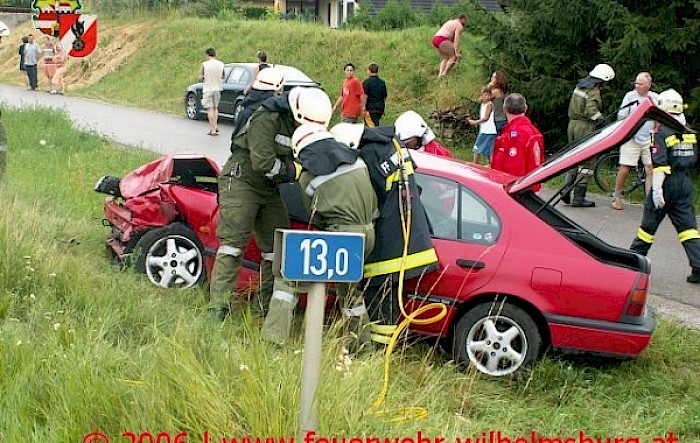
pixel 631 151
pixel 349 119
pixel 484 144
pixel 49 70
pixel 211 99
pixel 438 39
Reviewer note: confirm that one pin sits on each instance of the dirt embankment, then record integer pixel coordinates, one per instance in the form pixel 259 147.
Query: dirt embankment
pixel 116 44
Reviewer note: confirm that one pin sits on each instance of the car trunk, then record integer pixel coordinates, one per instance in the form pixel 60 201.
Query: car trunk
pixel 585 239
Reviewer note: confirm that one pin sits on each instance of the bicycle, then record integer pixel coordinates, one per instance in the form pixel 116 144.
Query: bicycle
pixel 605 173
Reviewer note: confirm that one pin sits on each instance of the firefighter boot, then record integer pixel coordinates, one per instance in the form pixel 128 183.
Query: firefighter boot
pixel 694 277
pixel 579 200
pixel 357 334
pixel 278 322
pixel 568 186
pixel 222 283
pixel 261 298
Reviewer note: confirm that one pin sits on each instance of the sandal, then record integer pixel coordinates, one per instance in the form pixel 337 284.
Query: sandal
pixel 212 133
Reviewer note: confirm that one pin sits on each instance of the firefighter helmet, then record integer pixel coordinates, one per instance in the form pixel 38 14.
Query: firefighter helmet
pixel 603 72
pixel 310 105
pixel 269 79
pixel 410 124
pixel 348 133
pixel 307 134
pixel 671 101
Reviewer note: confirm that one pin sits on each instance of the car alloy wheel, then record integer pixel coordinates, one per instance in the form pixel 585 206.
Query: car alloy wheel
pixel 498 339
pixel 171 257
pixel 192 107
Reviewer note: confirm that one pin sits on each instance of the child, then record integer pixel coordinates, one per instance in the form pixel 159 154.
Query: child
pixel 487 128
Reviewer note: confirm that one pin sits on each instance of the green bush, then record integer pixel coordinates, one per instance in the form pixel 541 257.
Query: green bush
pixel 397 15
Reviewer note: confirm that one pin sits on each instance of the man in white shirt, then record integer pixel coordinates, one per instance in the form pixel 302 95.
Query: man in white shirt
pixel 639 145
pixel 212 74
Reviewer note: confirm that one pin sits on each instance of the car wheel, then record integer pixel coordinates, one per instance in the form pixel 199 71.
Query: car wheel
pixel 171 257
pixel 498 339
pixel 192 107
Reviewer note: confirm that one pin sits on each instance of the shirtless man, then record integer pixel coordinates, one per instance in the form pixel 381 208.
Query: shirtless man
pixel 446 41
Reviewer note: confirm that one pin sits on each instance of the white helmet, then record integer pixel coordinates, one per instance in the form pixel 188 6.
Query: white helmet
pixel 310 105
pixel 269 79
pixel 671 101
pixel 410 124
pixel 603 72
pixel 307 134
pixel 348 133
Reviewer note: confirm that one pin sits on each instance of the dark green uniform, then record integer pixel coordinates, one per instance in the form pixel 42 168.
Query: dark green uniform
pixel 336 190
pixel 585 112
pixel 249 200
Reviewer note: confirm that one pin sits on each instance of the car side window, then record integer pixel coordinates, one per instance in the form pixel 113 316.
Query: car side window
pixel 478 221
pixel 239 76
pixel 439 200
pixel 457 213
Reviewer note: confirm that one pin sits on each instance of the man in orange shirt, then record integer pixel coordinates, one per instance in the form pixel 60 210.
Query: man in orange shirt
pixel 351 98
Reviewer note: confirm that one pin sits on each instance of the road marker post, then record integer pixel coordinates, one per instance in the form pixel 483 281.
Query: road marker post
pixel 317 257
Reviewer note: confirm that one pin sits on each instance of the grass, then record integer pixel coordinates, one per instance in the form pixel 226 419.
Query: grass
pixel 148 64
pixel 86 347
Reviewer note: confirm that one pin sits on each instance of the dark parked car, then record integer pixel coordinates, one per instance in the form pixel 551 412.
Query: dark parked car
pixel 516 275
pixel 236 77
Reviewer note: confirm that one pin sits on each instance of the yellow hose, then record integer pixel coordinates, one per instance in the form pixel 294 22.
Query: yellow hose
pixel 412 413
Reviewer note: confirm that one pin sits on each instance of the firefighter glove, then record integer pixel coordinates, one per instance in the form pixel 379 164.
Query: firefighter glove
pixel 657 189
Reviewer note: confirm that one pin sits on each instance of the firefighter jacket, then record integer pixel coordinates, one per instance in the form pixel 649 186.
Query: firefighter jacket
pixel 261 152
pixel 250 103
pixel 336 189
pixel 378 148
pixel 673 152
pixel 519 149
pixel 585 111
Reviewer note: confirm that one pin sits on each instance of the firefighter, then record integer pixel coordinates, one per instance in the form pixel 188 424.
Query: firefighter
pixel 585 113
pixel 249 201
pixel 415 133
pixel 391 171
pixel 673 154
pixel 337 192
pixel 267 84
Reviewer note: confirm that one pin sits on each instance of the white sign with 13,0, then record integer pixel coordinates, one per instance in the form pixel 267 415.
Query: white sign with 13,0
pixel 320 256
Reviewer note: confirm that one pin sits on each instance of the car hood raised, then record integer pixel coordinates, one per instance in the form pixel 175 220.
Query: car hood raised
pixel 596 143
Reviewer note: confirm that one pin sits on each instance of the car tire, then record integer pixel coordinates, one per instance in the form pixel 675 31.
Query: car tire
pixel 171 257
pixel 193 107
pixel 499 339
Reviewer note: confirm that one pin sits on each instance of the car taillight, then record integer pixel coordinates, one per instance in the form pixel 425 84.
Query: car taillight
pixel 638 297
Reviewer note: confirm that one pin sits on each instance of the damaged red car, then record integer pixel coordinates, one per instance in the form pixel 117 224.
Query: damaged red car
pixel 515 273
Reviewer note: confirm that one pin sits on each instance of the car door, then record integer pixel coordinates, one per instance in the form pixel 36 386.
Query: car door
pixel 467 236
pixel 235 83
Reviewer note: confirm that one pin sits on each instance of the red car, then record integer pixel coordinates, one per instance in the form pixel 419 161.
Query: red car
pixel 516 275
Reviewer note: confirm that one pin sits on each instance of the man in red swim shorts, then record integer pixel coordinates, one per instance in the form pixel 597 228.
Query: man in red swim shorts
pixel 446 41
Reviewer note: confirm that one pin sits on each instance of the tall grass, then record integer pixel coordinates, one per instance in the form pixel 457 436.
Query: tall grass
pixel 88 347
pixel 149 64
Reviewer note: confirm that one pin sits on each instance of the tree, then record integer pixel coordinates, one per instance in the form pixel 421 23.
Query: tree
pixel 548 45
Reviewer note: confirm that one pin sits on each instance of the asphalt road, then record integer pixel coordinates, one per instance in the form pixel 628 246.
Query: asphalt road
pixel 172 134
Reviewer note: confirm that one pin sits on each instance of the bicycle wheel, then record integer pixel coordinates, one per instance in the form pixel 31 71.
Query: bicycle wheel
pixel 605 171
